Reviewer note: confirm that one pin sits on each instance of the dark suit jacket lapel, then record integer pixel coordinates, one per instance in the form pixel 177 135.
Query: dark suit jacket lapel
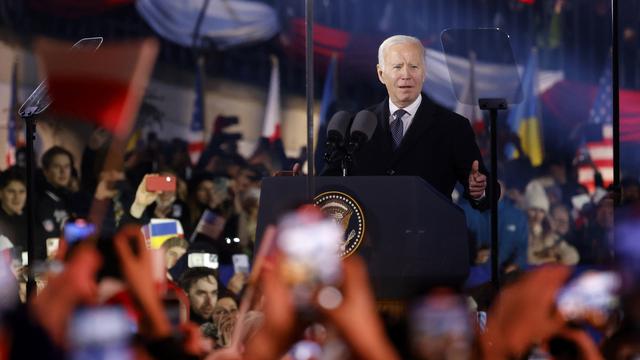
pixel 423 119
pixel 382 113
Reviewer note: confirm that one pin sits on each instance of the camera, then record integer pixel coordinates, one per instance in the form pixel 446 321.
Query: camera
pixel 219 136
pixel 223 122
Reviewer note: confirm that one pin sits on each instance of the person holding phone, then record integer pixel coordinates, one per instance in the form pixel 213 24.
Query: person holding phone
pixel 156 197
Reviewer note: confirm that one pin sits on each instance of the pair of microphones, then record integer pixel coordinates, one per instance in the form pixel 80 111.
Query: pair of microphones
pixel 346 134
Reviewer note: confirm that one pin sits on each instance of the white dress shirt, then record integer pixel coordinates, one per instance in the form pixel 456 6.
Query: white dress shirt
pixel 407 118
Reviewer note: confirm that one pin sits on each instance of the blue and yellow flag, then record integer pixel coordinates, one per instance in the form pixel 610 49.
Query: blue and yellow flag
pixel 157 231
pixel 524 119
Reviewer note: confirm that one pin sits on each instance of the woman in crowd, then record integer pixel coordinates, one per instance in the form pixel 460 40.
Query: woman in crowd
pixel 544 245
pixel 208 191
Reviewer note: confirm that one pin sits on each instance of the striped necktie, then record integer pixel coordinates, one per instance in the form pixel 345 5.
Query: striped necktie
pixel 397 127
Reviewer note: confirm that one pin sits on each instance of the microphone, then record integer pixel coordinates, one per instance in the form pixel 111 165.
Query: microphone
pixel 336 136
pixel 362 129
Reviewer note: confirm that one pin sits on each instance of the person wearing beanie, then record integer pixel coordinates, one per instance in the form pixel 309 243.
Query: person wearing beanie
pixel 544 246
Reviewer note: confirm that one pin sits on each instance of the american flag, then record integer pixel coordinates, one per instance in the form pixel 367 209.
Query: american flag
pixel 602 109
pixel 196 128
pixel 600 147
pixel 210 225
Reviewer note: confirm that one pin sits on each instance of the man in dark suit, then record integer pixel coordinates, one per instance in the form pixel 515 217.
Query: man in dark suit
pixel 414 135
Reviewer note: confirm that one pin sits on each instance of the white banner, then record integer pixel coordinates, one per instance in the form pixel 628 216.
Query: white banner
pixel 488 77
pixel 226 22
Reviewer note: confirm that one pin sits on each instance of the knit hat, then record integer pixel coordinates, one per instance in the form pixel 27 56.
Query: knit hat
pixel 536 197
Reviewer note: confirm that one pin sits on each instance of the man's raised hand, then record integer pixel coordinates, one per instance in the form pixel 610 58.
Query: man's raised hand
pixel 477 181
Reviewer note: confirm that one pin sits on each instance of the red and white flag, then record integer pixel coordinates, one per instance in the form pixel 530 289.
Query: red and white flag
pixel 103 87
pixel 12 139
pixel 273 114
pixel 467 106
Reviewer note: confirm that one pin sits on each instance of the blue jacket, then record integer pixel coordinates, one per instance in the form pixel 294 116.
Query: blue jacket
pixel 512 237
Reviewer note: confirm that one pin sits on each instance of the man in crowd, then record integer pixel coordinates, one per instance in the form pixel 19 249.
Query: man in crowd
pixel 13 220
pixel 201 287
pixel 414 135
pixel 512 249
pixel 54 205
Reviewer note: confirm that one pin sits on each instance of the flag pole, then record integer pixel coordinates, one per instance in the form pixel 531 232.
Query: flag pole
pixel 494 105
pixel 309 77
pixel 615 88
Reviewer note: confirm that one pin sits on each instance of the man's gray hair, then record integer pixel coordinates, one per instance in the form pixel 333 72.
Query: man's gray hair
pixel 395 40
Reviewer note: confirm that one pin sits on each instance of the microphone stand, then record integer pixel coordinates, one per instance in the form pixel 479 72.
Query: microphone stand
pixel 28 112
pixel 337 152
pixel 356 140
pixel 493 105
pixel 345 162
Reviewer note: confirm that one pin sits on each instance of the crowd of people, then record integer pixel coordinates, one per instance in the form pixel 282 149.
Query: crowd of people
pixel 203 306
pixel 158 258
pixel 545 216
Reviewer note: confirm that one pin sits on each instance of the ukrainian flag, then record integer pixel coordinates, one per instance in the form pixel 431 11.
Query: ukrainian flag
pixel 524 119
pixel 160 230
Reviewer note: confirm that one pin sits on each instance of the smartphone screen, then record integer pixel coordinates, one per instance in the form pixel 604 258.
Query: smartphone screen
pixel 202 260
pixel 77 230
pixel 100 333
pixel 310 245
pixel 441 324
pixel 240 263
pixel 590 297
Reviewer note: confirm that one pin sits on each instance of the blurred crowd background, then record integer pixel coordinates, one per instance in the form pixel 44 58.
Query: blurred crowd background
pixel 225 108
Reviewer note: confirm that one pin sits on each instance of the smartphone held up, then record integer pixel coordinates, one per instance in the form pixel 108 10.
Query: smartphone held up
pixel 310 244
pixel 157 183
